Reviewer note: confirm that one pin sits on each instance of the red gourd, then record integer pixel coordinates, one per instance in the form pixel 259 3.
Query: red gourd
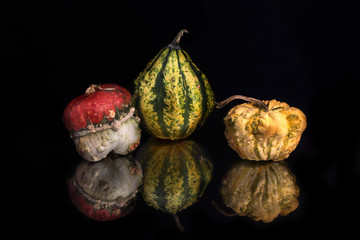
pixel 102 120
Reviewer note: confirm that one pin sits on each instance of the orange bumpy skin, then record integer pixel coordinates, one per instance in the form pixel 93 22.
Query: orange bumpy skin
pixel 259 134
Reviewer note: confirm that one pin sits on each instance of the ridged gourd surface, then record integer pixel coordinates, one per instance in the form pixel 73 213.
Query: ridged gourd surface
pixel 257 134
pixel 175 175
pixel 172 96
pixel 260 190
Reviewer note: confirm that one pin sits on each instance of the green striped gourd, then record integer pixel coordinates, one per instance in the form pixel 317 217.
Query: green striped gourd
pixel 260 190
pixel 172 96
pixel 176 173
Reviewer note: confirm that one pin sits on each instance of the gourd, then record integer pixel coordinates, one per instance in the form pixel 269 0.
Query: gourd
pixel 172 96
pixel 176 174
pixel 263 130
pixel 102 120
pixel 106 190
pixel 260 190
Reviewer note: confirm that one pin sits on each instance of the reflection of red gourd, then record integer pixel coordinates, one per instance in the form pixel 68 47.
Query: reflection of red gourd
pixel 105 190
pixel 101 120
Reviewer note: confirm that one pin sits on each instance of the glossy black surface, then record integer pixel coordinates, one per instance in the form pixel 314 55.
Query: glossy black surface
pixel 302 52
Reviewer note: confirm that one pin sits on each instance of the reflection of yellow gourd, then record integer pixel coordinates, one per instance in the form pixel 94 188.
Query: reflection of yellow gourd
pixel 263 130
pixel 260 190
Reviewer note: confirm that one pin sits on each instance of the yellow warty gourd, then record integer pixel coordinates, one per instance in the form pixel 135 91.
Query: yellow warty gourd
pixel 263 130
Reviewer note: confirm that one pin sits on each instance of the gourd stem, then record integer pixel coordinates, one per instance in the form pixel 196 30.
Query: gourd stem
pixel 178 223
pixel 179 35
pixel 249 99
pixel 175 43
pixel 222 211
pixel 95 87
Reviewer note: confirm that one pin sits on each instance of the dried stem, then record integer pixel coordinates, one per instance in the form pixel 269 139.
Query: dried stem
pixel 178 223
pixel 175 43
pixel 95 87
pixel 249 99
pixel 222 211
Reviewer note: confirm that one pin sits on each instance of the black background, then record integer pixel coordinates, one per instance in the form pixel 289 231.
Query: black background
pixel 302 52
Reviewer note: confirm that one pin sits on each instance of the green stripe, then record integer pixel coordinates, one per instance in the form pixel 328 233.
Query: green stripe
pixel 136 97
pixel 254 129
pixel 198 74
pixel 160 189
pixel 269 143
pixel 256 177
pixel 184 173
pixel 197 152
pixel 265 188
pixel 158 102
pixel 188 100
pixel 272 169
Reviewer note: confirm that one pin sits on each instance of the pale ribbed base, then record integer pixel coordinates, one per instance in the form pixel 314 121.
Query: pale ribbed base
pixel 97 145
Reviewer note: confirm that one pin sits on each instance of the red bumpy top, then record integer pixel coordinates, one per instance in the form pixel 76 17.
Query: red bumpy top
pixel 96 109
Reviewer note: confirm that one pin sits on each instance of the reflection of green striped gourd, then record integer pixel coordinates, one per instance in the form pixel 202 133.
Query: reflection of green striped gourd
pixel 172 96
pixel 175 174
